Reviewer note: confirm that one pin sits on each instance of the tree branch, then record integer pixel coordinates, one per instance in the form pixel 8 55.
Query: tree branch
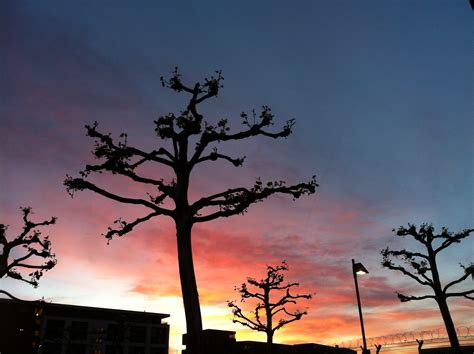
pixel 126 227
pixel 167 189
pixel 387 263
pixel 466 294
pixel 405 298
pixel 295 317
pixel 35 245
pixel 467 272
pixel 218 134
pixel 245 293
pixel 450 238
pixel 288 298
pixel 421 236
pixel 237 312
pixel 29 225
pixel 75 184
pixel 32 252
pixel 215 156
pixel 289 285
pixel 119 155
pixel 408 255
pixel 17 299
pixel 31 266
pixel 236 201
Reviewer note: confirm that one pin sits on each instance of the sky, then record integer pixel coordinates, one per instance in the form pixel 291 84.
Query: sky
pixel 382 97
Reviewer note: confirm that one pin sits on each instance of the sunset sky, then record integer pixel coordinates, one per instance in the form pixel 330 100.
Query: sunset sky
pixel 382 96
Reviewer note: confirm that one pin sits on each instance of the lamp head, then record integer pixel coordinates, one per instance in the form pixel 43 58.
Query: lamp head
pixel 360 269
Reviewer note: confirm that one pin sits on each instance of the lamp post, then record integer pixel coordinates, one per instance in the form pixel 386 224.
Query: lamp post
pixel 359 269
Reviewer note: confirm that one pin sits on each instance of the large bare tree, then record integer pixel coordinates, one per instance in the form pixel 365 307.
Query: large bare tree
pixel 29 251
pixel 273 296
pixel 186 140
pixel 423 268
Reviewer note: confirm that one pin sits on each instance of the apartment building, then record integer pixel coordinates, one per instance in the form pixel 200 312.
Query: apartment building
pixel 49 328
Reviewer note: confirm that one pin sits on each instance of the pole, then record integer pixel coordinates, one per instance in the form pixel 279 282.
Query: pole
pixel 364 350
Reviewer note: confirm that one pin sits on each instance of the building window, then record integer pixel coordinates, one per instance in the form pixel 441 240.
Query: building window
pixel 54 329
pixel 51 348
pixel 136 350
pixel 76 348
pixel 112 332
pixel 137 334
pixel 79 330
pixel 113 349
pixel 158 350
pixel 159 335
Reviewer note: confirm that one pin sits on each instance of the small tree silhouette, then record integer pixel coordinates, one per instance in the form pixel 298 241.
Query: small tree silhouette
pixel 424 270
pixel 32 251
pixel 270 314
pixel 420 344
pixel 192 142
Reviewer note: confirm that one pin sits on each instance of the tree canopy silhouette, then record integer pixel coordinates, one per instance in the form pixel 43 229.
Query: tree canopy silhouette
pixel 423 268
pixel 271 311
pixel 30 251
pixel 191 142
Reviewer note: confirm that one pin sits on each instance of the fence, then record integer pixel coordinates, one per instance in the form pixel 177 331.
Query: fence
pixel 439 335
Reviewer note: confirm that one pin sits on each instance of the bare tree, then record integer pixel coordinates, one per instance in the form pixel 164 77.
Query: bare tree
pixel 187 140
pixel 30 251
pixel 420 344
pixel 423 268
pixel 271 313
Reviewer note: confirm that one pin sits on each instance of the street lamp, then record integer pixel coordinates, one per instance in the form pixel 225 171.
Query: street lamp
pixel 359 269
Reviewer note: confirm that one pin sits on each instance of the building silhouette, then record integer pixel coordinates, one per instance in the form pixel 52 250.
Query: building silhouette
pixel 224 342
pixel 47 328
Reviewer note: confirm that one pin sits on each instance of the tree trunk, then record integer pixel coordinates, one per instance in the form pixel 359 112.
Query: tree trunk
pixel 448 322
pixel 189 289
pixel 441 300
pixel 268 314
pixel 270 338
pixel 269 342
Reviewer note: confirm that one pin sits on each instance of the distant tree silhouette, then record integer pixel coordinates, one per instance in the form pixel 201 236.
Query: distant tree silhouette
pixel 30 250
pixel 377 348
pixel 420 344
pixel 192 142
pixel 271 312
pixel 423 268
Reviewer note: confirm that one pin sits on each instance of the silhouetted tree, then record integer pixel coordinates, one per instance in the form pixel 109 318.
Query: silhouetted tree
pixel 271 312
pixel 420 344
pixel 30 250
pixel 378 347
pixel 423 269
pixel 192 142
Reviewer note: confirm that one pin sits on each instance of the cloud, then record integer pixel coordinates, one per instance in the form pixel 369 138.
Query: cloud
pixel 56 81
